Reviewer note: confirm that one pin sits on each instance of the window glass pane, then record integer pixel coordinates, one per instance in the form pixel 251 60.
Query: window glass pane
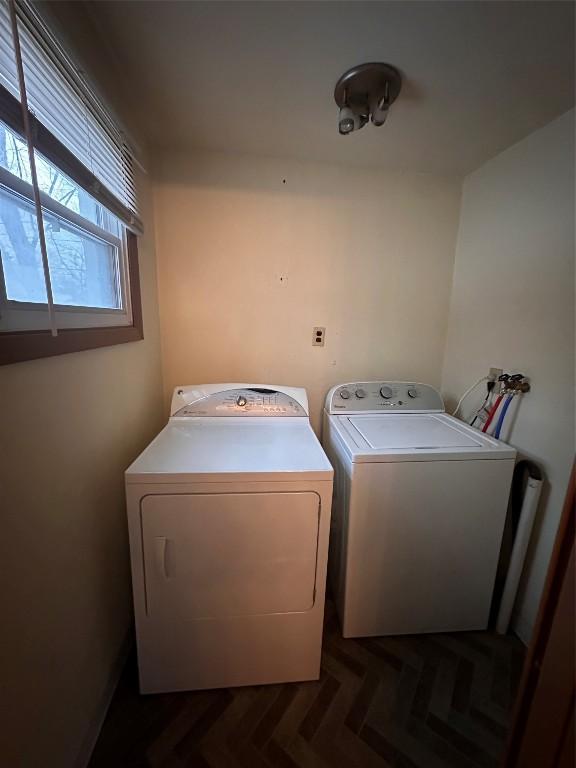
pixel 21 258
pixel 14 157
pixel 83 269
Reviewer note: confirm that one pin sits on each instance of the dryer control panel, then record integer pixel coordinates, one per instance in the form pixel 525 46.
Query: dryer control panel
pixel 384 396
pixel 238 400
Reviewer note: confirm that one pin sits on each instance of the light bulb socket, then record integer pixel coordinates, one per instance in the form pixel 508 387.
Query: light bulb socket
pixel 348 121
pixel 378 116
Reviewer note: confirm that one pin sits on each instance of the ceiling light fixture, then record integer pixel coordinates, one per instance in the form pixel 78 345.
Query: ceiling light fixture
pixel 365 93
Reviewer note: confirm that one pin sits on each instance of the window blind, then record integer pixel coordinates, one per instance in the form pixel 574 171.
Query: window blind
pixel 63 101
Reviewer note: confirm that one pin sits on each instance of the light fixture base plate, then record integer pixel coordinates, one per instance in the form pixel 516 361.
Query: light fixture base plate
pixel 359 85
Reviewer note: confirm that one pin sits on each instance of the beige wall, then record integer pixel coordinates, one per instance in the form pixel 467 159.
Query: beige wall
pixel 70 426
pixel 512 307
pixel 254 252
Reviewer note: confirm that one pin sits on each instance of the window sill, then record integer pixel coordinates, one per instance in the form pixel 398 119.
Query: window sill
pixel 31 345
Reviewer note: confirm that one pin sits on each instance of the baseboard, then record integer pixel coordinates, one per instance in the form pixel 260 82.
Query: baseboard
pixel 95 726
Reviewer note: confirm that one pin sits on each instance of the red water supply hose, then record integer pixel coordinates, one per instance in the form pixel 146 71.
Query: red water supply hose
pixel 492 413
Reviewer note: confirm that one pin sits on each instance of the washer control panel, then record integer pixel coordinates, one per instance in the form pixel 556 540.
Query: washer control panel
pixel 384 396
pixel 239 401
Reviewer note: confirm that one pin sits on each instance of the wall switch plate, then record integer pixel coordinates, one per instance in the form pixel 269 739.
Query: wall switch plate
pixel 318 335
pixel 494 373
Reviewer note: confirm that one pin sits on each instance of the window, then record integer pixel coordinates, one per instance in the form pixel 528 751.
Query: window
pixel 85 179
pixel 86 247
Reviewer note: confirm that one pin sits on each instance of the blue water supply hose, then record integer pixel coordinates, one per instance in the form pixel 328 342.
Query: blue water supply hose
pixel 502 416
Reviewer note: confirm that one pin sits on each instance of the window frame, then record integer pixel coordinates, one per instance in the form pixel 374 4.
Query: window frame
pixel 21 345
pixel 23 315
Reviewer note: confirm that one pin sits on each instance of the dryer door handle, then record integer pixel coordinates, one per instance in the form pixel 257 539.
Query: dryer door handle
pixel 160 549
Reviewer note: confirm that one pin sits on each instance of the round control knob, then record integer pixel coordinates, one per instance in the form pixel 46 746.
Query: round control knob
pixel 360 393
pixel 412 392
pixel 241 400
pixel 345 394
pixel 386 392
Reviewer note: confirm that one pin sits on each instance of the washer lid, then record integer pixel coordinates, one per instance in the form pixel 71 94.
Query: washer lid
pixel 417 432
pixel 390 437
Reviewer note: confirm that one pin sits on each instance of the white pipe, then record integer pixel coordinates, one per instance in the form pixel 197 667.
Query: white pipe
pixel 521 541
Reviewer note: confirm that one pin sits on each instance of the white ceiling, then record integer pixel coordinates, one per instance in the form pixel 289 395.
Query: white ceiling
pixel 258 77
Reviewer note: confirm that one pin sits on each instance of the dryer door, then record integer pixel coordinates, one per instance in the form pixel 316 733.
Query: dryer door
pixel 237 554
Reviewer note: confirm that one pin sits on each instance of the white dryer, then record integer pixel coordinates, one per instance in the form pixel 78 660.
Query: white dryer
pixel 420 501
pixel 229 516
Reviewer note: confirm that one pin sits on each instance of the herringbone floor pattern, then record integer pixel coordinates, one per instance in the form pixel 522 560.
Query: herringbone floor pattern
pixel 427 701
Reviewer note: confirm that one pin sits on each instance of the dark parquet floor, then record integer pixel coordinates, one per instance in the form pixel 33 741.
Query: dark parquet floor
pixel 426 701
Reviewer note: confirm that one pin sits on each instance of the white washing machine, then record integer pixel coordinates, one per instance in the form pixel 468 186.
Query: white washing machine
pixel 420 501
pixel 229 517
